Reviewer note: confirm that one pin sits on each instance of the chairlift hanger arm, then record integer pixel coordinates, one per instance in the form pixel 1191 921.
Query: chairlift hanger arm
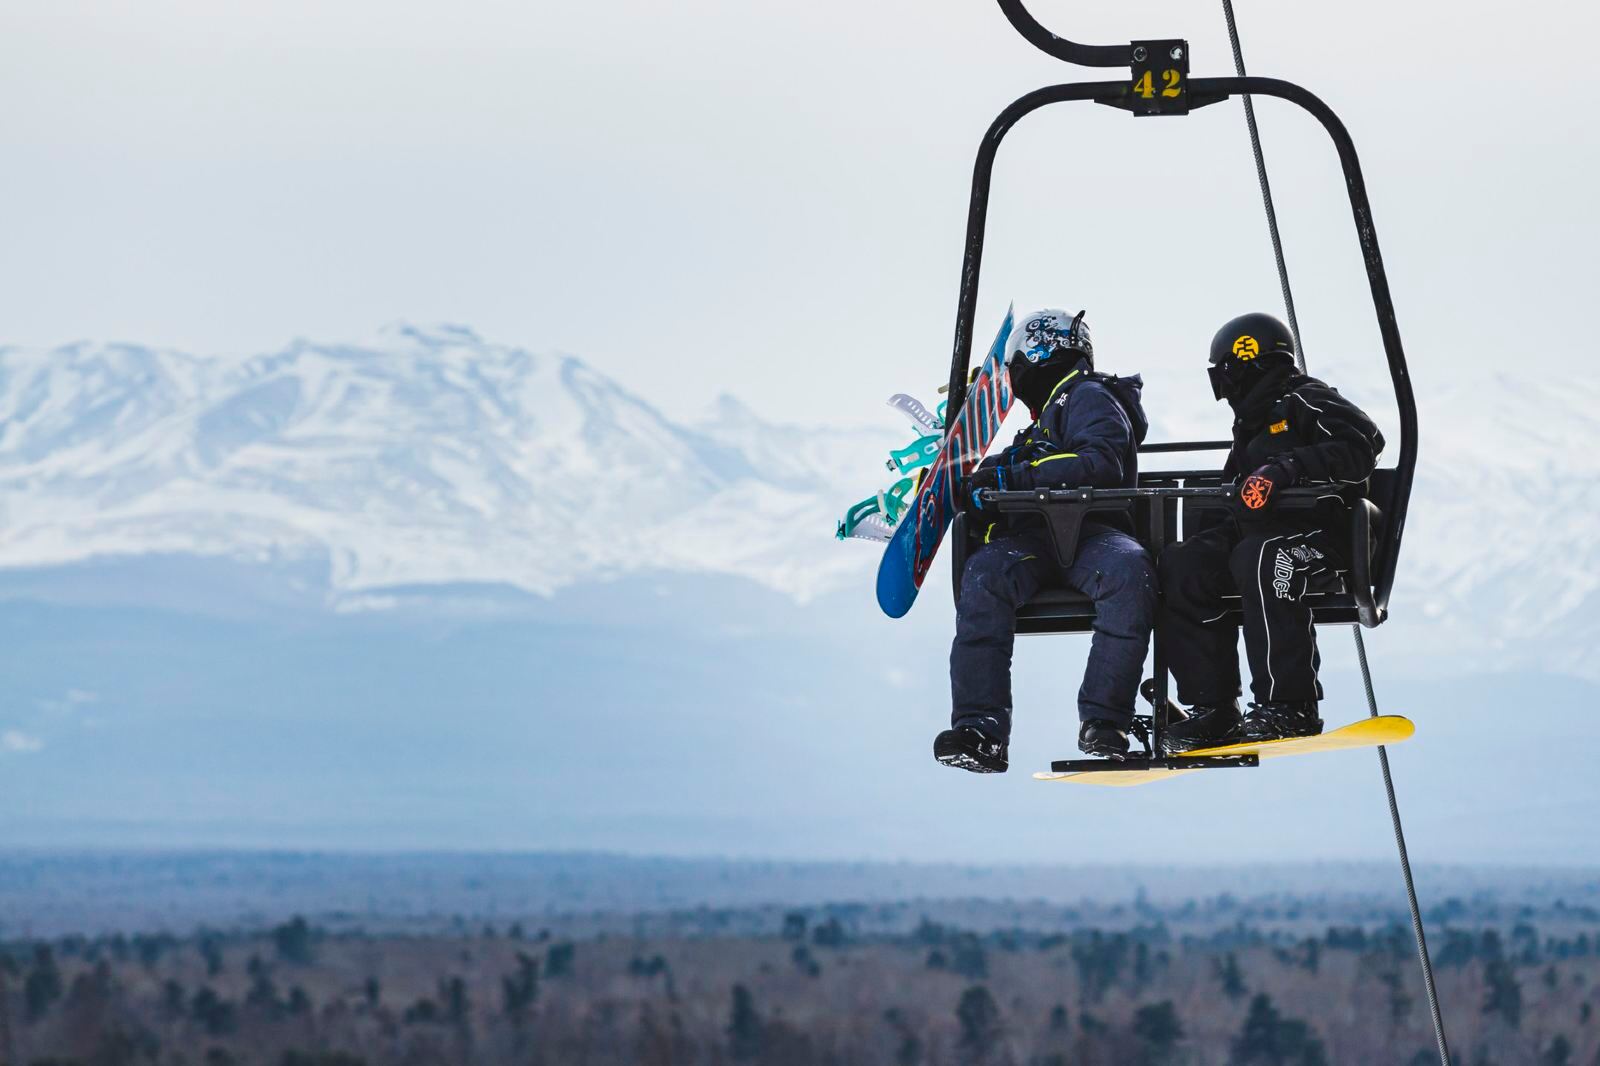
pixel 1159 67
pixel 1084 55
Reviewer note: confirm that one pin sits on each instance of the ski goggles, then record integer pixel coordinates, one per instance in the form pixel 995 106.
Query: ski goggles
pixel 1231 377
pixel 1221 384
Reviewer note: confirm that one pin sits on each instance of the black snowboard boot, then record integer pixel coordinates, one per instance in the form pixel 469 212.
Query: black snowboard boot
pixel 1280 721
pixel 1207 725
pixel 1103 738
pixel 967 748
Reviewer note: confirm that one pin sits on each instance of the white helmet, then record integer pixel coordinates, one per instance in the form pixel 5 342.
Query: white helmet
pixel 1046 334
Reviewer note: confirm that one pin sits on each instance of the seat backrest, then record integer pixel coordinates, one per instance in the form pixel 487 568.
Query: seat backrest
pixel 1200 515
pixel 1380 490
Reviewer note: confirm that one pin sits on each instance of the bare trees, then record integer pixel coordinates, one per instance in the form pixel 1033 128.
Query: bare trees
pixel 935 995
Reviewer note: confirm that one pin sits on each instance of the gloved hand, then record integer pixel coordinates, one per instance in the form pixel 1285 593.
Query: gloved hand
pixel 1032 452
pixel 1020 452
pixel 1257 492
pixel 985 477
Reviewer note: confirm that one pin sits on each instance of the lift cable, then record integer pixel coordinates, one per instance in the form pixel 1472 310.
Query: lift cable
pixel 1405 862
pixel 1266 189
pixel 1361 646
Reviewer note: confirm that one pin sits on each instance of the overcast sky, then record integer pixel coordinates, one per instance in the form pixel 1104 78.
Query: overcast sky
pixel 769 198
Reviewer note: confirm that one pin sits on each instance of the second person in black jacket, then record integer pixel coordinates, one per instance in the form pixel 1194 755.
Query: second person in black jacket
pixel 1289 430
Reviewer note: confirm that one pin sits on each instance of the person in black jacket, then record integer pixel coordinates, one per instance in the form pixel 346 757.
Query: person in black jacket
pixel 1086 432
pixel 1289 430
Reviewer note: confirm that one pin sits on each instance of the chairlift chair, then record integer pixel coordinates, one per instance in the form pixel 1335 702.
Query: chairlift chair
pixel 1173 503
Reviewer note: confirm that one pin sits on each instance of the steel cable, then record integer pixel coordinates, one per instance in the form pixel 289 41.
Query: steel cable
pixel 1361 645
pixel 1405 861
pixel 1266 189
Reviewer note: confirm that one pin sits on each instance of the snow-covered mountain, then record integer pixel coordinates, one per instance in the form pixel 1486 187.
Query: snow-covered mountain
pixel 1502 550
pixel 425 457
pixel 430 457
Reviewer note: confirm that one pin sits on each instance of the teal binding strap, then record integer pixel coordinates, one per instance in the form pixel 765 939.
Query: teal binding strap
pixel 916 455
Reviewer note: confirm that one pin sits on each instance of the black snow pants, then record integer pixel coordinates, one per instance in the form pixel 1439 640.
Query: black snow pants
pixel 1269 563
pixel 1111 568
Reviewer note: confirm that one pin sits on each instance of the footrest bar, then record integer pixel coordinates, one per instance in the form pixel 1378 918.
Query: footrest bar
pixel 1175 762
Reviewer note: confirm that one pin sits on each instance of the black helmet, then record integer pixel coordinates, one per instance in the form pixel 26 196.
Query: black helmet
pixel 1245 347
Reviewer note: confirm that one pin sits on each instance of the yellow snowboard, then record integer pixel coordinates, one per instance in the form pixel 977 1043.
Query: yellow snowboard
pixel 1367 733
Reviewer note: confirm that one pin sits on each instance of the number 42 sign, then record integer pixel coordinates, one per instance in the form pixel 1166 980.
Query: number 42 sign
pixel 1171 84
pixel 1160 84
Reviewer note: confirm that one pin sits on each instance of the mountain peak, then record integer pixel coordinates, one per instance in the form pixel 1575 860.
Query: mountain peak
pixel 487 465
pixel 728 410
pixel 427 336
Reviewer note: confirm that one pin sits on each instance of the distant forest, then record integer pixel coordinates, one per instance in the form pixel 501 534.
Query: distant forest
pixel 819 985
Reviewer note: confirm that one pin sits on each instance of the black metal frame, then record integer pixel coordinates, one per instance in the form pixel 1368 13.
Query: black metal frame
pixel 1157 762
pixel 1064 511
pixel 1084 55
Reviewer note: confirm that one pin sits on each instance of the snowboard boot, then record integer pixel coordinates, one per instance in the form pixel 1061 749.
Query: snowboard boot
pixel 967 748
pixel 1207 725
pixel 1280 721
pixel 1102 738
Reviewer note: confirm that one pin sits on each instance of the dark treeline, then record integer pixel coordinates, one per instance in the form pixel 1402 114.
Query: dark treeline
pixel 815 988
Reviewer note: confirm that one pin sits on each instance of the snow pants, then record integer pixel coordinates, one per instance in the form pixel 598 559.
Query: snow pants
pixel 1111 568
pixel 1270 565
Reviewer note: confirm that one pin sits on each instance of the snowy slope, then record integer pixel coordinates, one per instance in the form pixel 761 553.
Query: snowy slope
pixel 1502 552
pixel 427 456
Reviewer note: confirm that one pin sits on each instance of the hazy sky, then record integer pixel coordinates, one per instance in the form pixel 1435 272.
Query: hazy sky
pixel 769 198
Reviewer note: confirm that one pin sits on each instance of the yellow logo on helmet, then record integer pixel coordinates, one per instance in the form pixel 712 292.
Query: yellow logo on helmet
pixel 1246 348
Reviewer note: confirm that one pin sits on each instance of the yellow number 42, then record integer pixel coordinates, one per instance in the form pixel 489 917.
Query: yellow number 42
pixel 1172 81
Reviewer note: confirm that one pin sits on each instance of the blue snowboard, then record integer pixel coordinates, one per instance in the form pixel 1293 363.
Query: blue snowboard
pixel 916 540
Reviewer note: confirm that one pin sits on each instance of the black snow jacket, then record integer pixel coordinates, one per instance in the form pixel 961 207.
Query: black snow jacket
pixel 1086 436
pixel 1331 440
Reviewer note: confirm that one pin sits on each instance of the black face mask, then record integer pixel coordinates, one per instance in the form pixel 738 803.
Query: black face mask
pixel 1261 390
pixel 1032 382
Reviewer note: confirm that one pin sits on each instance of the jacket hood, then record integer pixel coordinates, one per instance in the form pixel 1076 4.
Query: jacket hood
pixel 1129 392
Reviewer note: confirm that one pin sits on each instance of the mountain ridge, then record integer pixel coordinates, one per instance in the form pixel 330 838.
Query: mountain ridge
pixel 426 456
pixel 437 458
